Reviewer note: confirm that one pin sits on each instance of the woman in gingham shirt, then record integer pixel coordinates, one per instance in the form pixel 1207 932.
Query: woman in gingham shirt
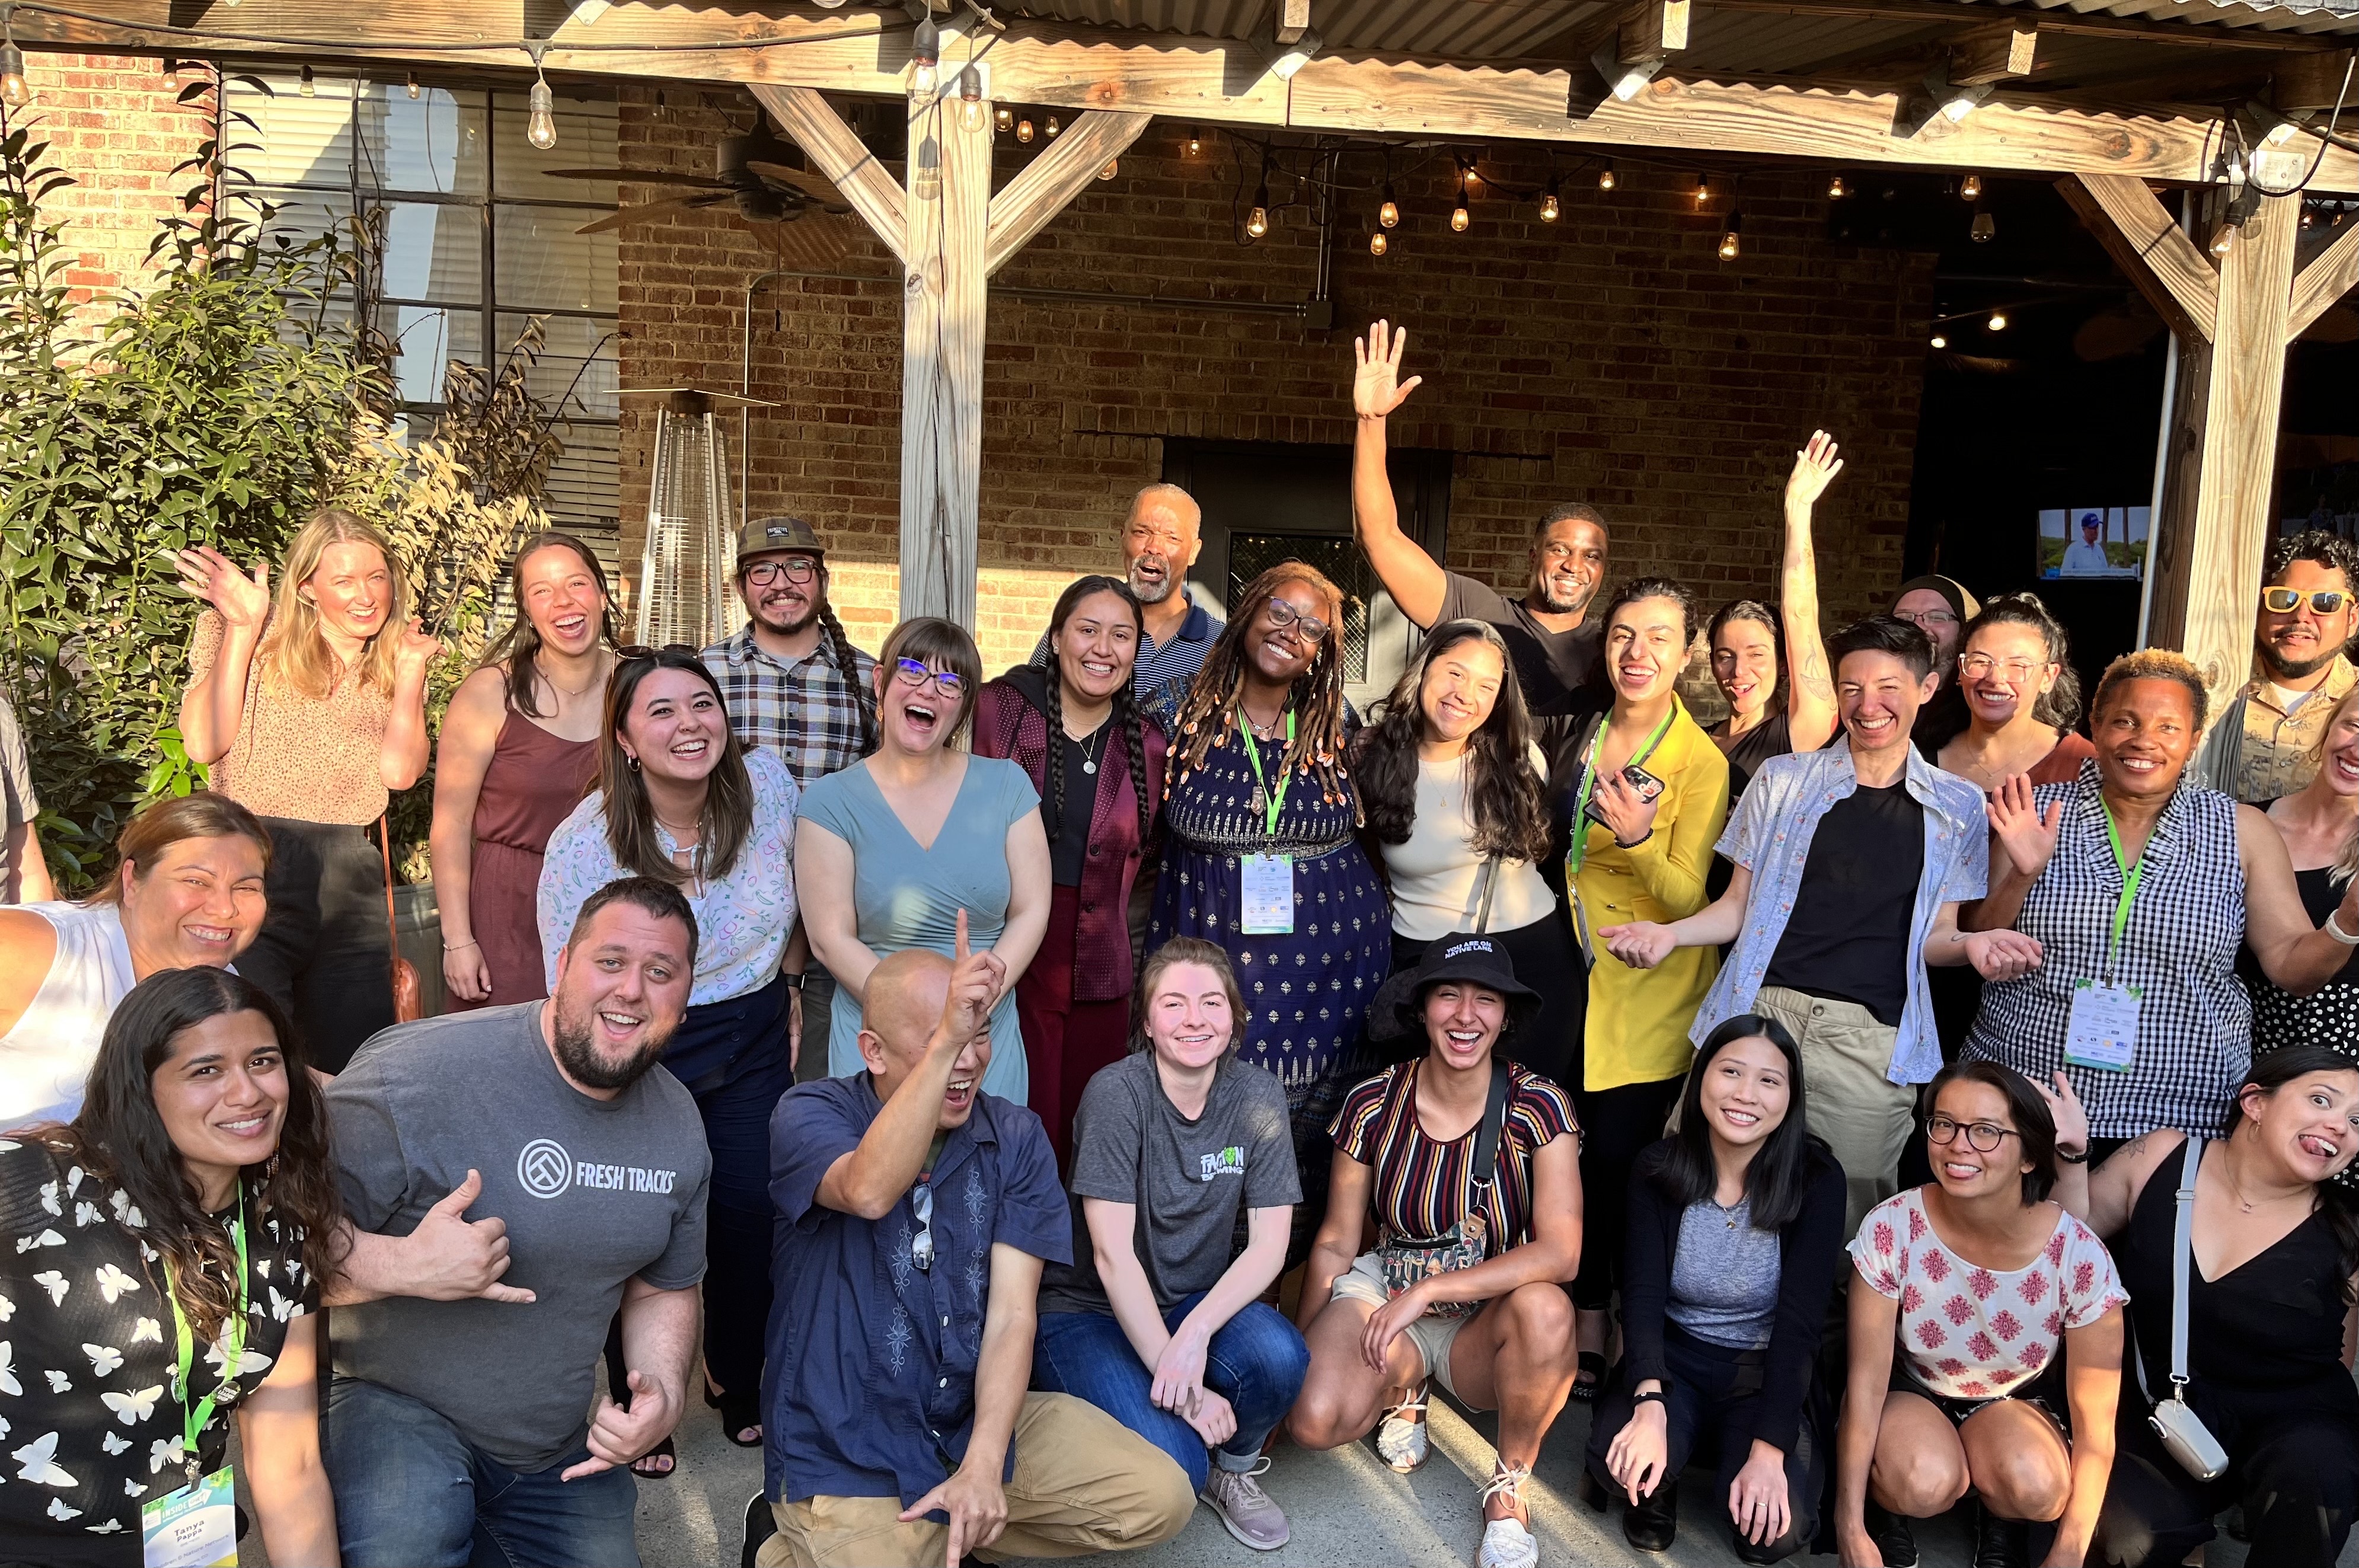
pixel 2206 877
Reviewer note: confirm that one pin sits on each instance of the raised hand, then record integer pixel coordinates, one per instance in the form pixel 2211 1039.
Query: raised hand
pixel 1815 467
pixel 2028 837
pixel 417 648
pixel 617 1435
pixel 240 600
pixel 2072 1117
pixel 1641 945
pixel 1377 386
pixel 975 980
pixel 450 1258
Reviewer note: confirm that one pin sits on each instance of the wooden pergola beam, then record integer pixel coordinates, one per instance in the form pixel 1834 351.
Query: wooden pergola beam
pixel 1215 80
pixel 2061 22
pixel 820 132
pixel 1046 184
pixel 2146 243
pixel 1995 56
pixel 2331 273
pixel 1293 20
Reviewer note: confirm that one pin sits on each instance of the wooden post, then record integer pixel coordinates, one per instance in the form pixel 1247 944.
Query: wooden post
pixel 2222 459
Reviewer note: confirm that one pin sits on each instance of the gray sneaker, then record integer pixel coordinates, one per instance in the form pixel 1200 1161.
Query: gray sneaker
pixel 1245 1508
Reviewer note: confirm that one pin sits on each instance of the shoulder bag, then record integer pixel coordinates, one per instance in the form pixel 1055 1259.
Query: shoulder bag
pixel 2184 1436
pixel 1408 1260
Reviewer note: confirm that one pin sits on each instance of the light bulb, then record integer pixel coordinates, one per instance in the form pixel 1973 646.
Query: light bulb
pixel 1388 214
pixel 308 88
pixel 15 91
pixel 1258 222
pixel 1195 143
pixel 1005 118
pixel 1941 342
pixel 1112 166
pixel 925 54
pixel 540 124
pixel 2309 219
pixel 972 114
pixel 413 88
pixel 1984 226
pixel 1605 180
pixel 1053 126
pixel 1836 188
pixel 1024 131
pixel 1549 208
pixel 1459 217
pixel 1377 243
pixel 1729 243
pixel 1971 187
pixel 1702 190
pixel 2224 240
pixel 1997 322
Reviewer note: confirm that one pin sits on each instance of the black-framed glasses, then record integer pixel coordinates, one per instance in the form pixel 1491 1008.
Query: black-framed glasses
pixel 1310 628
pixel 795 569
pixel 2284 601
pixel 921 1246
pixel 913 673
pixel 1983 1137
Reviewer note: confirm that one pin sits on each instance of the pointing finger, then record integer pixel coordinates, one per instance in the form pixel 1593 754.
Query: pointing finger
pixel 960 949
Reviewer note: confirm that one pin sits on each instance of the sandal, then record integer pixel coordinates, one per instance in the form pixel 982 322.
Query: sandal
pixel 664 1451
pixel 1400 1436
pixel 1593 1367
pixel 738 1414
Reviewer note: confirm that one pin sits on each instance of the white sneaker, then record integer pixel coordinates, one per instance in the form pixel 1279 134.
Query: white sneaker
pixel 1400 1440
pixel 1506 1542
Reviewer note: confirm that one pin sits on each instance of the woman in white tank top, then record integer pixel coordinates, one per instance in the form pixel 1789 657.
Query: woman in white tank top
pixel 186 890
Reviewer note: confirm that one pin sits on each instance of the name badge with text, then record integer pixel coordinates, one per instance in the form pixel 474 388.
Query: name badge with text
pixel 2101 1030
pixel 1269 894
pixel 192 1527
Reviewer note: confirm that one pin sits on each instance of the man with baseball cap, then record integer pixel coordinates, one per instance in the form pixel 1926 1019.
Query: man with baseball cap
pixel 794 683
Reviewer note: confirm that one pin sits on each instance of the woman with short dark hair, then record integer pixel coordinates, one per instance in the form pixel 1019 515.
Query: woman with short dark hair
pixel 162 1257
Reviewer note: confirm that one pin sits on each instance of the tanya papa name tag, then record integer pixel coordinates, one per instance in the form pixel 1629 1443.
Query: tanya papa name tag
pixel 194 1527
pixel 1269 894
pixel 2102 1029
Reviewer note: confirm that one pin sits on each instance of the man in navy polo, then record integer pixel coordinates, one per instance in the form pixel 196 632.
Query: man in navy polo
pixel 1161 538
pixel 915 1213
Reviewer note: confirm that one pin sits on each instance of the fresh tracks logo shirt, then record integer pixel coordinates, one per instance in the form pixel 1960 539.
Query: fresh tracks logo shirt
pixel 593 1192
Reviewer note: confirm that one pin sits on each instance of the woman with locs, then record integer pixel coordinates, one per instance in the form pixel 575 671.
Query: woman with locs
pixel 163 1255
pixel 518 750
pixel 1457 815
pixel 680 801
pixel 1770 664
pixel 309 706
pixel 2272 1284
pixel 1076 730
pixel 1735 1227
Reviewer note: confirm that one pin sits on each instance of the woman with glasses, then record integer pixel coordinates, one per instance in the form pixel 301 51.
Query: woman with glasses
pixel 1262 858
pixel 2141 887
pixel 1985 1327
pixel 679 801
pixel 518 750
pixel 1076 730
pixel 895 846
pixel 2021 697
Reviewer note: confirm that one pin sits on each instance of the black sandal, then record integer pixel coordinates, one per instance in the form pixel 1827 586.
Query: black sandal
pixel 1593 1367
pixel 663 1450
pixel 738 1413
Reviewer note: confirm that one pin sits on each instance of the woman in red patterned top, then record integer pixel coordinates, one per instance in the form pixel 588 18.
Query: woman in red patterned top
pixel 1967 1290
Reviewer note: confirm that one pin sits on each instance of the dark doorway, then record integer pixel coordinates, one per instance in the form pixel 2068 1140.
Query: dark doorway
pixel 1265 503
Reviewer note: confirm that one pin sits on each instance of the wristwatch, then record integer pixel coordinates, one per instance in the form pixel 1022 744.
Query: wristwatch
pixel 794 982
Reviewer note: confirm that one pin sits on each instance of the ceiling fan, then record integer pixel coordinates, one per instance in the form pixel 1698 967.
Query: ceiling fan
pixel 799 214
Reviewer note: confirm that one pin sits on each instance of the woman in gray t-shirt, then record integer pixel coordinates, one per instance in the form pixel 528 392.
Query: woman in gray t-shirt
pixel 1156 1323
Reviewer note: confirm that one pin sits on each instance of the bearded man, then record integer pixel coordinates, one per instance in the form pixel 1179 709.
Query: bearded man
pixel 2264 743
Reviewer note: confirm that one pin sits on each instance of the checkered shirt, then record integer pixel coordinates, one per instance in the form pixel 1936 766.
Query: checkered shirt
pixel 806 711
pixel 2195 1023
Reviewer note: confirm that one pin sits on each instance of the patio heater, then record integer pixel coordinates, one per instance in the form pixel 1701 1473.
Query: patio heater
pixel 688 560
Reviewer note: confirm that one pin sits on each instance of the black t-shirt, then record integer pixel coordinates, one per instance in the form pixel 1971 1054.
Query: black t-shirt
pixel 1848 936
pixel 1068 845
pixel 1553 668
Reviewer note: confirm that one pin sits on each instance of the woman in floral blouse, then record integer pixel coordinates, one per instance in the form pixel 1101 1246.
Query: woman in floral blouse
pixel 194 1188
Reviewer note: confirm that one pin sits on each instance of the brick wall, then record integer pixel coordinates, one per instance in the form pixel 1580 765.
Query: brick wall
pixel 1609 356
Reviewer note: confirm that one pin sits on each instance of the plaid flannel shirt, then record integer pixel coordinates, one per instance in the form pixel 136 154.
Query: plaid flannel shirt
pixel 806 712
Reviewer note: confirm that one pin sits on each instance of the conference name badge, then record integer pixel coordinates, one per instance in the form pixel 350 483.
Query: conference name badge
pixel 193 1526
pixel 2101 1030
pixel 1269 894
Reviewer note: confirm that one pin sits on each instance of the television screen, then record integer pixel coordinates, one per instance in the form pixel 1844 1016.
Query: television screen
pixel 2093 541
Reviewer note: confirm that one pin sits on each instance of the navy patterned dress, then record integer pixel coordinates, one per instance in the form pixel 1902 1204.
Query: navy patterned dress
pixel 1306 993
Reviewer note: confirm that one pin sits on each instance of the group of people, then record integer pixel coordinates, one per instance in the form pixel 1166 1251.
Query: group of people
pixel 1190 1068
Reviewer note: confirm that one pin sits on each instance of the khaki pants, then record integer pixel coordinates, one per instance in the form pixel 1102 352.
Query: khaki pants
pixel 1864 1117
pixel 1083 1482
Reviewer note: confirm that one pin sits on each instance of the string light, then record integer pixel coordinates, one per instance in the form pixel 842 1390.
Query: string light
pixel 1997 322
pixel 1551 208
pixel 1024 131
pixel 541 122
pixel 1704 190
pixel 1605 180
pixel 1195 143
pixel 1388 214
pixel 412 87
pixel 1112 166
pixel 2247 202
pixel 970 110
pixel 1053 126
pixel 2308 218
pixel 1984 226
pixel 1258 221
pixel 1836 188
pixel 306 85
pixel 1377 243
pixel 1005 118
pixel 15 91
pixel 1971 188
pixel 1729 243
pixel 2224 240
pixel 1941 342
pixel 1459 217
pixel 925 55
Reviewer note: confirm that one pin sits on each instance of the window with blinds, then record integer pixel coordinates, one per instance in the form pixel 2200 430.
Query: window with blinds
pixel 480 238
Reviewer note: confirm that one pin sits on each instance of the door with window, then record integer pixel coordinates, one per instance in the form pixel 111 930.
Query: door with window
pixel 1266 502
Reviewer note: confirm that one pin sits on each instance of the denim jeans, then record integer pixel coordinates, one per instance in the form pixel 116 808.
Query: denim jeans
pixel 1257 1362
pixel 412 1492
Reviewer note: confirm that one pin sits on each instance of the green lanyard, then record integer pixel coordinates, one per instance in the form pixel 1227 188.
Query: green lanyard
pixel 196 1417
pixel 1580 850
pixel 2131 875
pixel 1252 754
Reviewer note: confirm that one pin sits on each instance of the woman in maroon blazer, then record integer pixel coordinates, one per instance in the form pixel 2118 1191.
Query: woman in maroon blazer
pixel 1098 764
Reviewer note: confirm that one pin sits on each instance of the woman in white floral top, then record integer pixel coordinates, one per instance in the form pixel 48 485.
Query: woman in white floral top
pixel 1986 1340
pixel 202 1144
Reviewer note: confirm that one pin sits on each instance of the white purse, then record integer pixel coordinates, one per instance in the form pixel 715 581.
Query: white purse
pixel 2184 1436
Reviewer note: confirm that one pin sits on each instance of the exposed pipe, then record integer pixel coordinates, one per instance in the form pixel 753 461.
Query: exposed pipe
pixel 2161 451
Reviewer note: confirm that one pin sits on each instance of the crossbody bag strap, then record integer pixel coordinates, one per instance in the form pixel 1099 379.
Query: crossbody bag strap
pixel 1490 886
pixel 1487 1143
pixel 2183 1253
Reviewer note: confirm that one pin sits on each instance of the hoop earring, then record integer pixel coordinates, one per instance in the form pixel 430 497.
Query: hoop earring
pixel 631 760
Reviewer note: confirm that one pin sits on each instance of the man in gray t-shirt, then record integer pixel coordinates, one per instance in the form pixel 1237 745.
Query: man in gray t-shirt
pixel 595 1159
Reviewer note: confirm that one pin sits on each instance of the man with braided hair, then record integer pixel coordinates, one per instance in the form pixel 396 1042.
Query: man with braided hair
pixel 795 683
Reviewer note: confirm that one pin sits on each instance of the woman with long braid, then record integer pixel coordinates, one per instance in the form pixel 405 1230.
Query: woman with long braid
pixel 1075 729
pixel 1262 858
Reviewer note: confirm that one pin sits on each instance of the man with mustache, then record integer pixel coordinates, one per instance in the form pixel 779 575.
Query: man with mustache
pixel 1161 538
pixel 2264 743
pixel 915 1213
pixel 793 682
pixel 451 1417
pixel 1555 644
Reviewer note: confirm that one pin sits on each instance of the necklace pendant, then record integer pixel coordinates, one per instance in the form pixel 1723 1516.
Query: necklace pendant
pixel 1088 765
pixel 1260 800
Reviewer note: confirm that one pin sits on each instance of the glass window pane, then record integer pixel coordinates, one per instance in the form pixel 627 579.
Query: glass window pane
pixel 433 251
pixel 543 264
pixel 579 365
pixel 293 140
pixel 586 139
pixel 424 340
pixel 430 143
pixel 297 215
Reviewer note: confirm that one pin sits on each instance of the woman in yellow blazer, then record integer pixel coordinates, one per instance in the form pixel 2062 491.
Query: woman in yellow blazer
pixel 1644 794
